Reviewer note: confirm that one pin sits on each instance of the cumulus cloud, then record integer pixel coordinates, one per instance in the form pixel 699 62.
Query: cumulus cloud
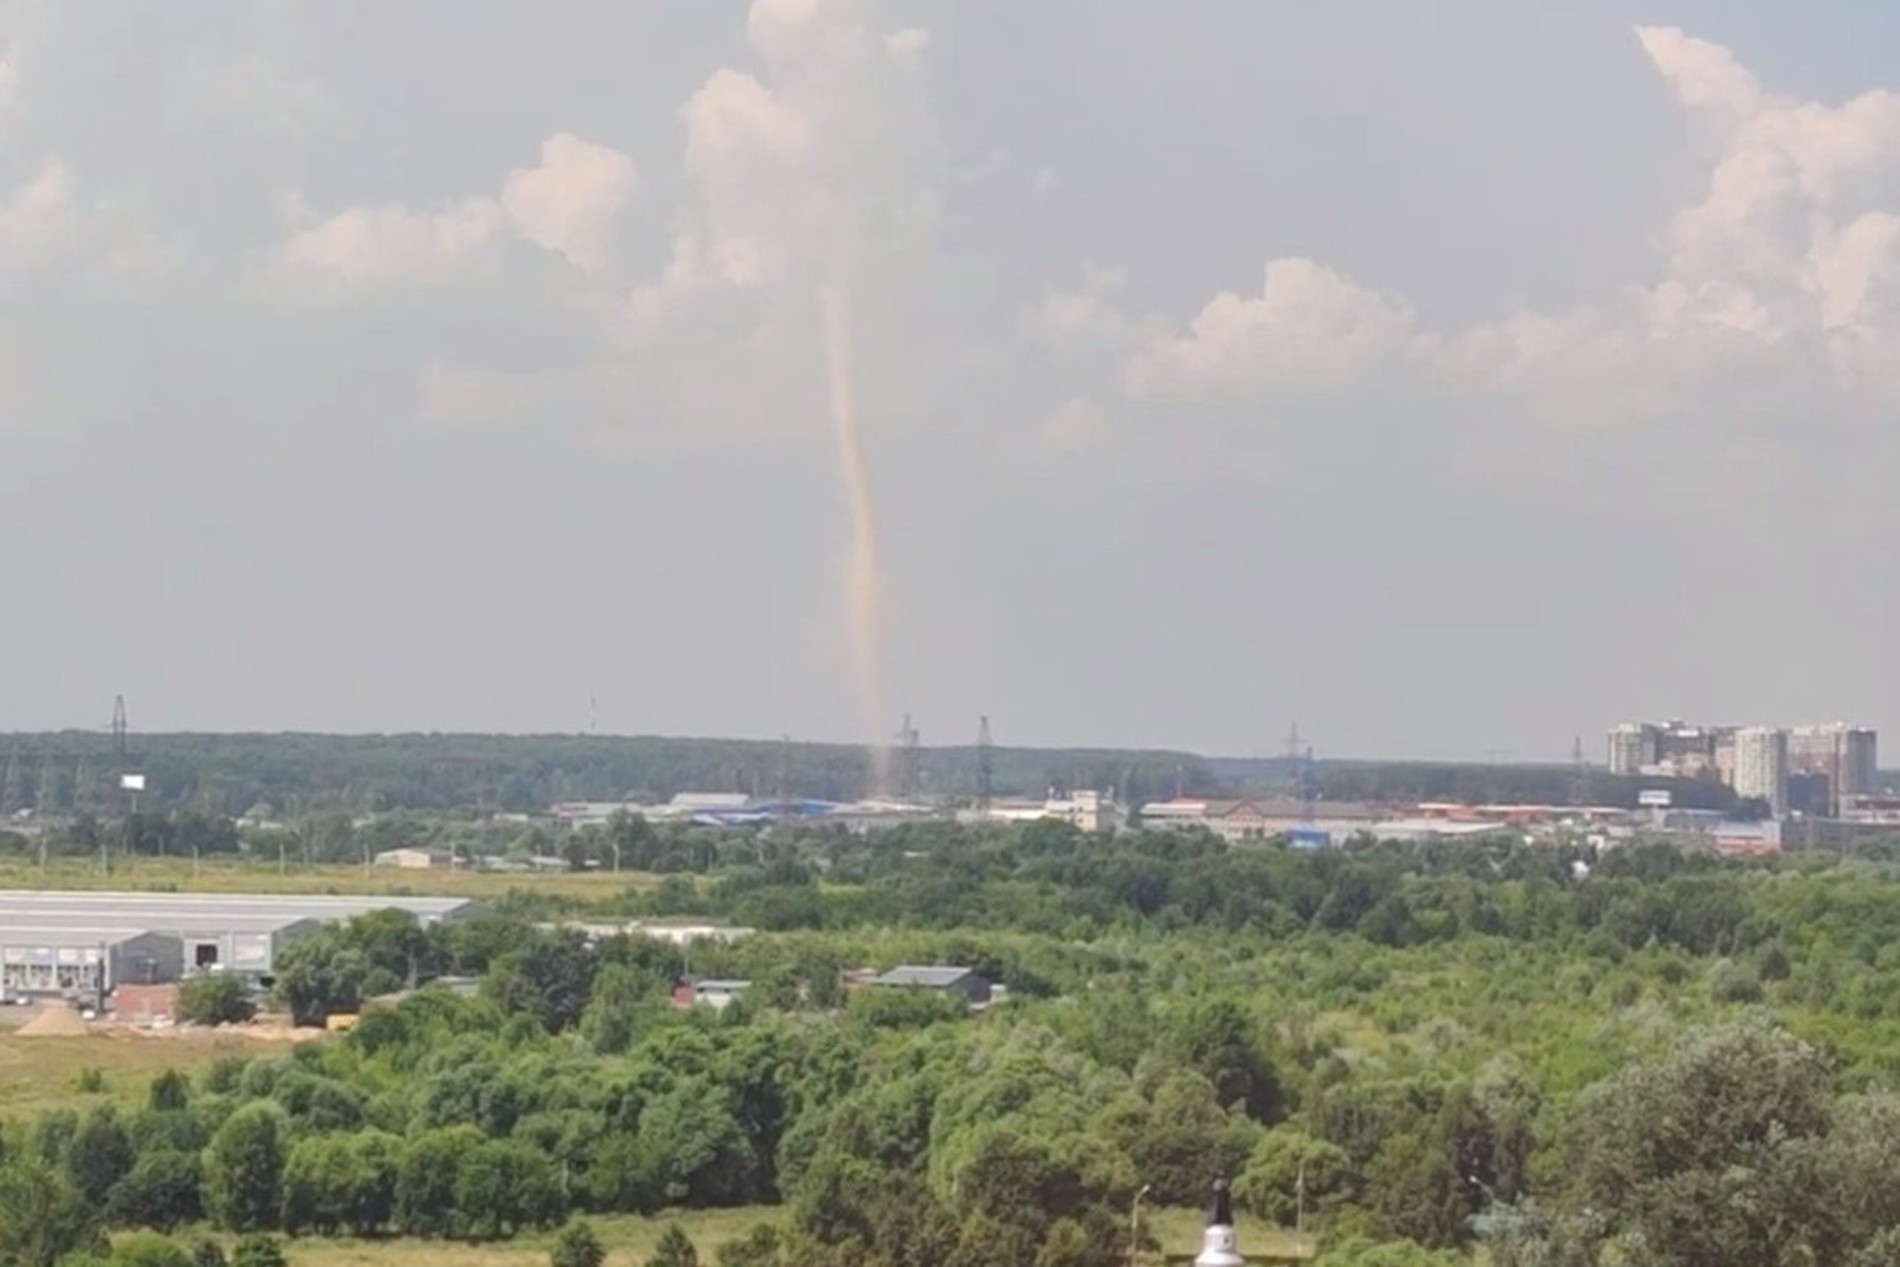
pixel 571 203
pixel 389 245
pixel 1307 327
pixel 1091 314
pixel 808 169
pixel 1703 74
pixel 1782 272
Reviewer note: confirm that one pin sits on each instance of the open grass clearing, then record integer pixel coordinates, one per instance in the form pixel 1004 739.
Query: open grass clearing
pixel 37 1074
pixel 629 1240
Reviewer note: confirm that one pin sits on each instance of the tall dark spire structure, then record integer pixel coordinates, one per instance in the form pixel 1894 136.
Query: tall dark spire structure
pixel 1219 1246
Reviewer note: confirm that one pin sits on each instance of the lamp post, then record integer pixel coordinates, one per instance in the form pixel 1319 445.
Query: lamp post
pixel 1134 1223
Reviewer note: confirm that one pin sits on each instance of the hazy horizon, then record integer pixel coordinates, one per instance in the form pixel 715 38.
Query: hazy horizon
pixel 1453 382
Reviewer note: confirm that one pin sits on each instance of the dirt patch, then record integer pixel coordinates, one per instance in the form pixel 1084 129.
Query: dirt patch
pixel 55 1022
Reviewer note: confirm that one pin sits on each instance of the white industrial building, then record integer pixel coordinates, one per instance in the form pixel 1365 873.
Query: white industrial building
pixel 58 941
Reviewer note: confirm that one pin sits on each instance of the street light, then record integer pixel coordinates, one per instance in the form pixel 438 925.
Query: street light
pixel 1134 1223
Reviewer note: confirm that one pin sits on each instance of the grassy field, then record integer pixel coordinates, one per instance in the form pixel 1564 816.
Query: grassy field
pixel 228 875
pixel 43 1073
pixel 630 1240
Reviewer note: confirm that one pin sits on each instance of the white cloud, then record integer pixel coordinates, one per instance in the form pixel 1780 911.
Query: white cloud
pixel 41 217
pixel 9 78
pixel 1307 327
pixel 572 201
pixel 1703 74
pixel 389 245
pixel 1090 315
pixel 569 205
pixel 1779 280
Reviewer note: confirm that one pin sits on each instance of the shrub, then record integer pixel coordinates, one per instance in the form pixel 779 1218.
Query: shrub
pixel 215 998
pixel 577 1246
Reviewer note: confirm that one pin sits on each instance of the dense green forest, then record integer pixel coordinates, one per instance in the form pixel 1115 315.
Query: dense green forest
pixel 297 774
pixel 1649 1057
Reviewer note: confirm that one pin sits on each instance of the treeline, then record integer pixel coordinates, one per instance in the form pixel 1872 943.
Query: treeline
pixel 295 774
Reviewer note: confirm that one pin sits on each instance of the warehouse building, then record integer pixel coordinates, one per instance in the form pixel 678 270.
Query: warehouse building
pixel 64 961
pixel 64 941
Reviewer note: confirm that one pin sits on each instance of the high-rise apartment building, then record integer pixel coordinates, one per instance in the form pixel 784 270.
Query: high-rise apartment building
pixel 1632 747
pixel 1810 769
pixel 1761 766
pixel 1847 757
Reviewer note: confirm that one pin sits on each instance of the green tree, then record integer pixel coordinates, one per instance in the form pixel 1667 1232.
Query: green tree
pixel 208 1253
pixel 101 1154
pixel 1706 1154
pixel 675 1249
pixel 170 1092
pixel 577 1246
pixel 258 1249
pixel 43 1217
pixel 762 1245
pixel 428 1179
pixel 549 979
pixel 215 998
pixel 148 1249
pixel 244 1169
pixel 161 1191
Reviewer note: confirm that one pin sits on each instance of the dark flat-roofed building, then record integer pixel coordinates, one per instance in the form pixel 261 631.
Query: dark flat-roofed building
pixel 942 978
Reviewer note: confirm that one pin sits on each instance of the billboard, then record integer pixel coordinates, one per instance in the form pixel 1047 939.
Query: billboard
pixel 1654 798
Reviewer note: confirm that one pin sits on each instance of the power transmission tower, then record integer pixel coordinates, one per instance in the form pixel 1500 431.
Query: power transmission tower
pixel 909 762
pixel 1309 787
pixel 46 797
pixel 118 733
pixel 85 795
pixel 11 793
pixel 985 768
pixel 1579 774
pixel 1295 750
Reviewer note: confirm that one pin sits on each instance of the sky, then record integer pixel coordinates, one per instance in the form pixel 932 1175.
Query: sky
pixel 1452 380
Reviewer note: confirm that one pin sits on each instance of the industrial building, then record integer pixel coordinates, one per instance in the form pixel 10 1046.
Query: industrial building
pixel 78 941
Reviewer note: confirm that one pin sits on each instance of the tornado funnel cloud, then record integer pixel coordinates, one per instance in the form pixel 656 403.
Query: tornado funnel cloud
pixel 863 576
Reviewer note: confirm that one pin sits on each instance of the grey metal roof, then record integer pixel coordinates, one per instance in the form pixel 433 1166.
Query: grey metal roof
pixel 59 938
pixel 934 975
pixel 206 912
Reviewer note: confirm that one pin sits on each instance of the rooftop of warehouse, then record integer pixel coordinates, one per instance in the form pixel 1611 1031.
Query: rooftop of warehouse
pixel 233 911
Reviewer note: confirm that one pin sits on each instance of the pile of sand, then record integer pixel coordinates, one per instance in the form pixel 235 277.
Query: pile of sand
pixel 54 1022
